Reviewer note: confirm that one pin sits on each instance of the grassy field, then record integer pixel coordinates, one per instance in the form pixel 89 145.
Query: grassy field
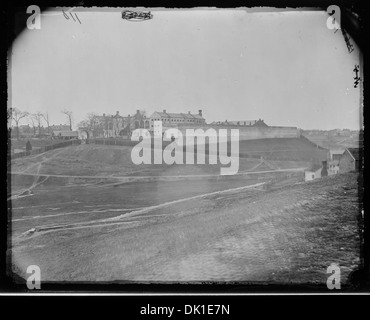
pixel 104 178
pixel 75 216
pixel 291 149
pixel 100 160
pixel 287 235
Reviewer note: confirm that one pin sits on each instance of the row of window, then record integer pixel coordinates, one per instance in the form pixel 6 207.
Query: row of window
pixel 178 120
pixel 137 125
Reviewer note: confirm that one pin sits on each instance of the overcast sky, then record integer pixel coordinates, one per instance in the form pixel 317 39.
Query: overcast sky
pixel 287 68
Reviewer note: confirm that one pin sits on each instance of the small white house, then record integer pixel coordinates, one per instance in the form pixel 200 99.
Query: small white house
pixel 65 135
pixel 313 173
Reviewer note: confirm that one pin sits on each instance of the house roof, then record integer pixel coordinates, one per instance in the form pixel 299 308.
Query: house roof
pixel 59 126
pixel 354 152
pixel 109 116
pixel 315 167
pixel 337 151
pixel 66 133
pixel 241 122
pixel 198 116
pixel 188 115
pixel 178 115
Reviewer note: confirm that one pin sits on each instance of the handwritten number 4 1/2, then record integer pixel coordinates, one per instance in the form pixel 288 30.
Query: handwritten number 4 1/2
pixel 67 16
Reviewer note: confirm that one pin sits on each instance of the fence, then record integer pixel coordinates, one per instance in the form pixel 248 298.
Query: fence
pixel 44 149
pixel 112 142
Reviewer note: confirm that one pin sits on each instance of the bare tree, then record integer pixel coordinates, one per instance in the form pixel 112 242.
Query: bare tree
pixel 91 124
pixel 45 116
pixel 17 115
pixel 69 115
pixel 38 118
pixel 33 122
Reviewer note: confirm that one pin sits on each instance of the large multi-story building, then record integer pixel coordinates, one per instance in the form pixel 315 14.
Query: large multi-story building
pixel 242 123
pixel 172 120
pixel 117 125
pixel 109 125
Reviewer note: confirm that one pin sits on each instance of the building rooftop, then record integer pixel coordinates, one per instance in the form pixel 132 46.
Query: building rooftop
pixel 258 122
pixel 355 153
pixel 337 151
pixel 315 167
pixel 188 115
pixel 66 133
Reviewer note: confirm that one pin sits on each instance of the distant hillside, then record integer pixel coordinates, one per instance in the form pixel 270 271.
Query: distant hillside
pixel 298 149
pixel 336 142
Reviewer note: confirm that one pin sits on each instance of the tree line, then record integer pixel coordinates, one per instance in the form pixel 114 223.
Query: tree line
pixel 16 116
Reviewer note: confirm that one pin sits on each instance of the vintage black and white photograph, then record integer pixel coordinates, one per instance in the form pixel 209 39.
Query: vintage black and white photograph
pixel 171 146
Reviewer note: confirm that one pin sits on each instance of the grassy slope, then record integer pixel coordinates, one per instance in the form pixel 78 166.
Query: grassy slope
pixel 287 235
pixel 298 149
pixel 116 160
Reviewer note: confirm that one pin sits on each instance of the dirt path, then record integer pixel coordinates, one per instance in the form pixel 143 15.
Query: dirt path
pixel 122 218
pixel 46 156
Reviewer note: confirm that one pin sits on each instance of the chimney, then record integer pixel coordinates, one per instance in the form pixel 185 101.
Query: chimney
pixel 164 110
pixel 188 112
pixel 117 113
pixel 103 114
pixel 137 111
pixel 200 112
pixel 324 171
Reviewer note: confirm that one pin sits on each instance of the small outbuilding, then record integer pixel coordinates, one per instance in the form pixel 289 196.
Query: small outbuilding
pixel 350 160
pixel 313 173
pixel 65 135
